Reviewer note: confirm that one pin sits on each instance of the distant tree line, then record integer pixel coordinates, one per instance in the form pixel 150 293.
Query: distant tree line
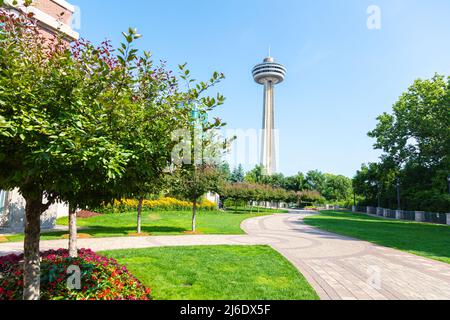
pixel 314 187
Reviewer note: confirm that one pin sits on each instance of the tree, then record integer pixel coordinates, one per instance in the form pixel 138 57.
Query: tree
pixel 238 174
pixel 418 129
pixel 308 197
pixel 255 176
pixel 193 182
pixel 163 110
pixel 58 117
pixel 337 187
pixel 226 172
pixel 82 125
pixel 276 180
pixel 315 180
pixel 415 139
pixel 295 183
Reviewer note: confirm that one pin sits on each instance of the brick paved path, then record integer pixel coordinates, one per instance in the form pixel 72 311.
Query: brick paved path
pixel 343 268
pixel 337 267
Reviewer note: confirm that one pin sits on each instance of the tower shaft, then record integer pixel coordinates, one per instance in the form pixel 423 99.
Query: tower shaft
pixel 268 151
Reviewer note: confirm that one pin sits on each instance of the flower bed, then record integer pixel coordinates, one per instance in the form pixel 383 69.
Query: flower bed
pixel 101 278
pixel 167 204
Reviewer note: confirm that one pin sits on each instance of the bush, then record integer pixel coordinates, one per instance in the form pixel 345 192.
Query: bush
pixel 101 278
pixel 167 204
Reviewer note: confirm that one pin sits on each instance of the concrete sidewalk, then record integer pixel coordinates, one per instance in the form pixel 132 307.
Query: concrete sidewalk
pixel 337 267
pixel 100 244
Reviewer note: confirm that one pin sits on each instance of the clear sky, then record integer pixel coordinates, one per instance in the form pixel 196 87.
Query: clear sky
pixel 341 74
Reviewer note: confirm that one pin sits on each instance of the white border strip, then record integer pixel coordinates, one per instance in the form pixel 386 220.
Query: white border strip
pixel 65 4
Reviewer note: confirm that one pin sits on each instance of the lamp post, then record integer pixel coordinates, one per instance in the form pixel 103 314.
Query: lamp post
pixel 398 194
pixel 379 195
pixel 448 182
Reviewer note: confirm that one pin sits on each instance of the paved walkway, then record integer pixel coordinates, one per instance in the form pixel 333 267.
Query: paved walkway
pixel 337 267
pixel 343 268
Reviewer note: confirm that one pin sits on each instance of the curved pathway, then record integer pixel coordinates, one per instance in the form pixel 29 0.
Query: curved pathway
pixel 337 267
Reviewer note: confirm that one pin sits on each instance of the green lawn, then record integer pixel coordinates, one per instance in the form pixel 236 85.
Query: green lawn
pixel 428 240
pixel 157 223
pixel 216 273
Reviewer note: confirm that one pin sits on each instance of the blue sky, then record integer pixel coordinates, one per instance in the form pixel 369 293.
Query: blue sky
pixel 341 75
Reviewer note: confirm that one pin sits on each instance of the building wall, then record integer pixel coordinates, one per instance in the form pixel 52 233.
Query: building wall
pixel 12 215
pixel 52 16
pixel 57 9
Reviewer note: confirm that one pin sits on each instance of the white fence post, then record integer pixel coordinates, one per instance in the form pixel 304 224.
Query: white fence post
pixel 448 219
pixel 420 216
pixel 399 214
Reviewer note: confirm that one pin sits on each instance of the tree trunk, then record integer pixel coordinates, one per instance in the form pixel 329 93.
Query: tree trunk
pixel 194 215
pixel 139 216
pixel 32 265
pixel 73 250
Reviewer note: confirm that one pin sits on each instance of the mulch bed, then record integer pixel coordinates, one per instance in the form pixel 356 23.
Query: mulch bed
pixel 193 233
pixel 84 214
pixel 79 236
pixel 135 234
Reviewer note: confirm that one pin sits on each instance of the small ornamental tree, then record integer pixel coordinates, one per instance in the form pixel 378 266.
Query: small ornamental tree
pixel 162 110
pixel 59 113
pixel 193 182
pixel 82 124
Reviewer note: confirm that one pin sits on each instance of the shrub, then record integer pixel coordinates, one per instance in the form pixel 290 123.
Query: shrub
pixel 101 278
pixel 167 204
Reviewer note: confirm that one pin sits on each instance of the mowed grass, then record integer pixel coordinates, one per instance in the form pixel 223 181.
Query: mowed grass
pixel 427 240
pixel 216 273
pixel 156 223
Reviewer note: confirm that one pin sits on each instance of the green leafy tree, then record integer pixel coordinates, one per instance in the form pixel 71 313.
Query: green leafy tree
pixel 163 109
pixel 315 181
pixel 238 174
pixel 193 182
pixel 337 187
pixel 226 171
pixel 255 176
pixel 415 140
pixel 58 118
pixel 295 183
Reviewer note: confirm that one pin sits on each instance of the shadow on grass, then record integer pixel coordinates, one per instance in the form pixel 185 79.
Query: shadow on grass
pixel 254 211
pixel 105 232
pixel 428 240
pixel 97 231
